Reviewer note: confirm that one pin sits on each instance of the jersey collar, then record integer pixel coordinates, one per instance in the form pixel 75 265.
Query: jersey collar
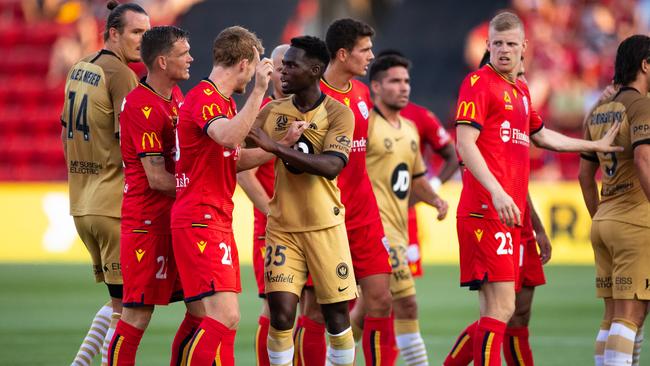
pixel 207 80
pixel 500 74
pixel 319 101
pixel 144 84
pixel 342 91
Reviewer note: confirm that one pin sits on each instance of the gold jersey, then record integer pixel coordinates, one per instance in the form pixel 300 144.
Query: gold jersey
pixel 94 91
pixel 393 160
pixel 302 201
pixel 622 198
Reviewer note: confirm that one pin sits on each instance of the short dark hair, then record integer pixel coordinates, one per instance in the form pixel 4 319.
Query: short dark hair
pixel 344 33
pixel 159 41
pixel 629 56
pixel 116 16
pixel 314 48
pixel 485 60
pixel 382 64
pixel 389 52
pixel 234 44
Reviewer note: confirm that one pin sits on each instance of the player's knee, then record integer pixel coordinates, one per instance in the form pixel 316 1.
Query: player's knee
pixel 406 308
pixel 336 317
pixel 230 317
pixel 138 317
pixel 378 303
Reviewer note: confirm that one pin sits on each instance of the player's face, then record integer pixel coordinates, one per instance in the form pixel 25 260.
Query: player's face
pixel 247 73
pixel 135 24
pixel 395 88
pixel 277 73
pixel 360 57
pixel 179 60
pixel 297 71
pixel 506 49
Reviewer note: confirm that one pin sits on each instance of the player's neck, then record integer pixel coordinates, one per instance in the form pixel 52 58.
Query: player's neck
pixel 306 99
pixel 336 76
pixel 640 84
pixel 116 50
pixel 160 84
pixel 391 115
pixel 224 79
pixel 277 94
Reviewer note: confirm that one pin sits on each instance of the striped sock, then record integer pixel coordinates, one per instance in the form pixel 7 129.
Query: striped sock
pixel 463 351
pixel 516 347
pixel 124 345
pixel 311 347
pixel 620 343
pixel 226 351
pixel 206 342
pixel 92 343
pixel 378 340
pixel 638 343
pixel 410 343
pixel 182 338
pixel 601 339
pixel 487 344
pixel 115 317
pixel 261 354
pixel 340 351
pixel 280 347
pixel 357 331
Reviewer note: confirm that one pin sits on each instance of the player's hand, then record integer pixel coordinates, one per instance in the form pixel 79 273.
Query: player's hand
pixel 609 91
pixel 605 143
pixel 442 206
pixel 263 73
pixel 293 133
pixel 262 140
pixel 544 244
pixel 506 208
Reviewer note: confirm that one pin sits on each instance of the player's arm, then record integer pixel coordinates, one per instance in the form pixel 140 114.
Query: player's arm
pixel 588 185
pixel 158 177
pixel 450 164
pixel 423 192
pixel 466 136
pixel 251 158
pixel 120 84
pixel 253 189
pixel 639 113
pixel 543 242
pixel 232 132
pixel 64 141
pixel 642 164
pixel 555 141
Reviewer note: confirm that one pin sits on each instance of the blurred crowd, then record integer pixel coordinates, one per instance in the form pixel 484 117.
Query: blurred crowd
pixel 570 59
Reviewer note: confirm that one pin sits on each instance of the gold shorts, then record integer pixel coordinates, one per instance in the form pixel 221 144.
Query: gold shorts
pixel 401 281
pixel 324 254
pixel 622 255
pixel 101 236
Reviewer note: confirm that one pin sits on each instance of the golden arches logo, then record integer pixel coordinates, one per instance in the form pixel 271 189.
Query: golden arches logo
pixel 152 139
pixel 209 110
pixel 464 107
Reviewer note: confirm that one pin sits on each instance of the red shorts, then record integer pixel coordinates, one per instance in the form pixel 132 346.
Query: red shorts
pixel 414 251
pixel 487 253
pixel 207 261
pixel 531 270
pixel 149 270
pixel 369 249
pixel 259 248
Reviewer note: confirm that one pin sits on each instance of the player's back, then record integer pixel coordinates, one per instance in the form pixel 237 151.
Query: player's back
pixel 94 159
pixel 622 198
pixel 302 201
pixel 429 127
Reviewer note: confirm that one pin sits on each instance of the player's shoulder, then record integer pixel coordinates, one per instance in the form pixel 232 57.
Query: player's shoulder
pixel 358 86
pixel 409 126
pixel 479 78
pixel 334 106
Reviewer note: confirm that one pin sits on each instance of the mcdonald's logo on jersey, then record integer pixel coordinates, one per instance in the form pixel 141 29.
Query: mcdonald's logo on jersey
pixel 466 109
pixel 151 139
pixel 208 111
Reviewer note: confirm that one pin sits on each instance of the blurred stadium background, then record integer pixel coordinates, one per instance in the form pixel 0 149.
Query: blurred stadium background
pixel 47 297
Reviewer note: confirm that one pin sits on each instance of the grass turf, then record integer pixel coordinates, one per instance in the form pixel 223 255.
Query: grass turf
pixel 45 311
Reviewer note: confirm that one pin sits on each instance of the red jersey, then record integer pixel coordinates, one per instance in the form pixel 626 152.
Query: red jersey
pixel 266 176
pixel 147 128
pixel 429 127
pixel 501 111
pixel 356 191
pixel 206 172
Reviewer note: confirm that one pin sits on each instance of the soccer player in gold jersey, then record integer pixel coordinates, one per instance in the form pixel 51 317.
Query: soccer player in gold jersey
pixel 94 91
pixel 397 173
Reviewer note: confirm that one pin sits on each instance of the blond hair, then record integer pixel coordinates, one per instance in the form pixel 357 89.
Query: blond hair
pixel 506 21
pixel 234 44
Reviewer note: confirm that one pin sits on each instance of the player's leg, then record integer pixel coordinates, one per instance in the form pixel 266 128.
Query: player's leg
pixel 259 249
pixel 603 261
pixel 629 315
pixel 92 342
pixel 497 301
pixel 516 347
pixel 638 343
pixel 309 338
pixel 282 306
pixel 128 334
pixel 195 311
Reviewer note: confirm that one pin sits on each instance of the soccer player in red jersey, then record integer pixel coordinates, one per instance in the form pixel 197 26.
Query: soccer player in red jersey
pixel 148 137
pixel 350 44
pixel 210 132
pixel 257 183
pixel 494 121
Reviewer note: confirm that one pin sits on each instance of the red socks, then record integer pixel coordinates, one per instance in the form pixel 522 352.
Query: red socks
pixel 378 341
pixel 182 339
pixel 462 352
pixel 516 347
pixel 206 340
pixel 261 353
pixel 310 343
pixel 226 351
pixel 487 344
pixel 124 345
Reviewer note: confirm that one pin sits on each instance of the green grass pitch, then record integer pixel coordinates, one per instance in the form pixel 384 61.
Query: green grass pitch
pixel 45 311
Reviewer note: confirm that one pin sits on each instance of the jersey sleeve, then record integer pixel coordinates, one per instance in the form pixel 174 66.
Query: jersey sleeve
pixel 433 134
pixel 472 105
pixel 640 122
pixel 145 128
pixel 206 111
pixel 536 122
pixel 419 169
pixel 589 156
pixel 338 139
pixel 120 84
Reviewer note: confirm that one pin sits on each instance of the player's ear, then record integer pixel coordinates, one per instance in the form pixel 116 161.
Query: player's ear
pixel 342 54
pixel 243 64
pixel 113 34
pixel 374 86
pixel 162 62
pixel 645 67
